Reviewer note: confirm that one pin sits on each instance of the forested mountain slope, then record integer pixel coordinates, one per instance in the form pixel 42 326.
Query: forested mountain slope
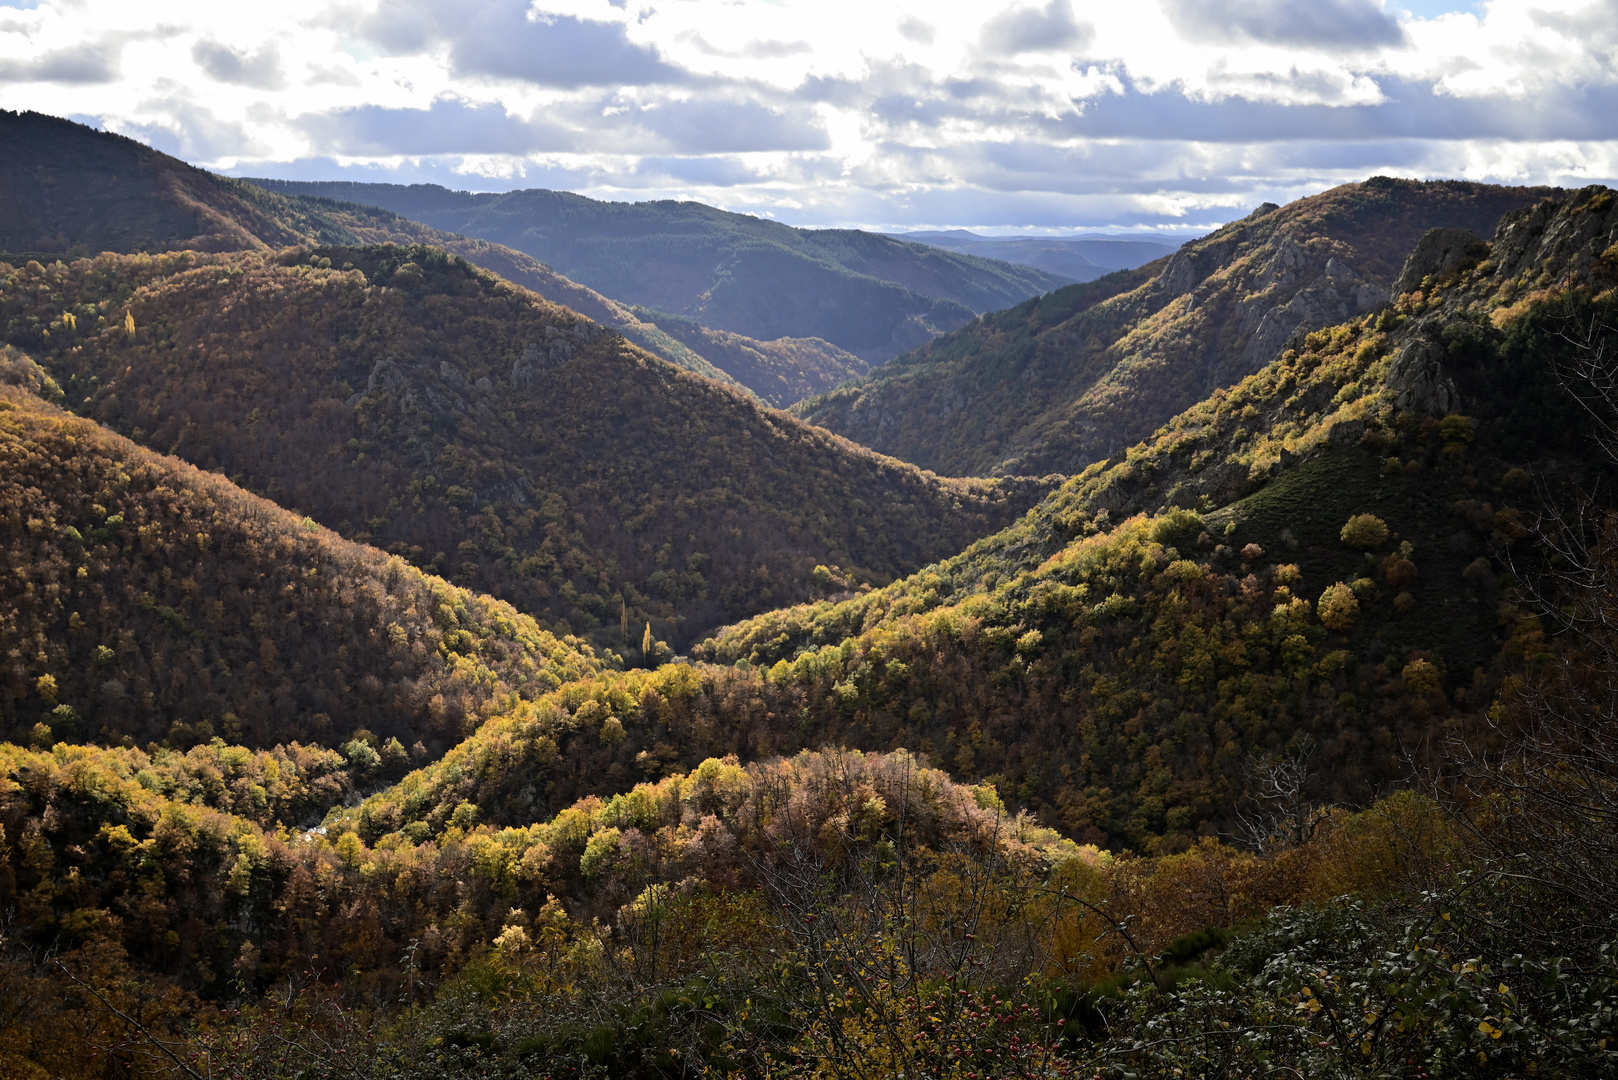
pixel 781 372
pixel 142 598
pixel 70 191
pixel 1319 556
pixel 872 295
pixel 1071 377
pixel 405 398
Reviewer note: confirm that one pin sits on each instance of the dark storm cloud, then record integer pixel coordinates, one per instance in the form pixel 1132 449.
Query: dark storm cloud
pixel 1023 30
pixel 1332 25
pixel 497 38
pixel 83 65
pixel 447 127
pixel 261 69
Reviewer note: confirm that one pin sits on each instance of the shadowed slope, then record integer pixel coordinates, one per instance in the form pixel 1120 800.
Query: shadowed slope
pixel 408 399
pixel 145 599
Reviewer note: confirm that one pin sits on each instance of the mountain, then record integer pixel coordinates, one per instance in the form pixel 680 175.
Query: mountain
pixel 780 372
pixel 1079 258
pixel 1297 588
pixel 1071 377
pixel 146 600
pixel 71 191
pixel 1320 556
pixel 406 398
pixel 871 295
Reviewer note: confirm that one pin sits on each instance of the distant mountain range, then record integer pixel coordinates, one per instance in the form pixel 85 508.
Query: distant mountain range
pixel 1082 258
pixel 869 294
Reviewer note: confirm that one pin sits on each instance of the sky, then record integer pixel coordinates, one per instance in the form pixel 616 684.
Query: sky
pixel 1164 116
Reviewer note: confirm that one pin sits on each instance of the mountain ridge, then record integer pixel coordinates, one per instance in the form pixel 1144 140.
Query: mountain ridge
pixel 407 398
pixel 869 294
pixel 1068 378
pixel 120 195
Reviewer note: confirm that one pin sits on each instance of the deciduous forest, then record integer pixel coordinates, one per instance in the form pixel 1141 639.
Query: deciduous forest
pixel 405 672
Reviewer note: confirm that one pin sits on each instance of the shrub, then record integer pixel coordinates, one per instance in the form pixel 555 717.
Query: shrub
pixel 1422 677
pixel 1338 608
pixel 1365 531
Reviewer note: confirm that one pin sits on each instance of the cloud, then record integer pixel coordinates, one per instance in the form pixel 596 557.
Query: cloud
pixel 332 76
pixel 1330 25
pixel 705 171
pixel 498 38
pixel 1183 112
pixel 1409 110
pixel 720 126
pixel 1025 30
pixel 446 127
pixel 913 29
pixel 261 70
pixel 83 65
pixel 753 50
pixel 191 131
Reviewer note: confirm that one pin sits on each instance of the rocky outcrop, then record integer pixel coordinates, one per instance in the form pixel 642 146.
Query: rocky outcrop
pixel 1338 293
pixel 1438 252
pixel 556 350
pixel 1563 238
pixel 1417 382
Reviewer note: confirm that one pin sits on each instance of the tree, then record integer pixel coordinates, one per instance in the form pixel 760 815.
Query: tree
pixel 1365 531
pixel 1338 607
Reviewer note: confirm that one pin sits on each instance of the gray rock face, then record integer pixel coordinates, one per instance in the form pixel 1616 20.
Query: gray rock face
pixel 1544 236
pixel 453 378
pixel 1437 252
pixel 1190 267
pixel 1336 294
pixel 1417 381
pixel 386 377
pixel 556 350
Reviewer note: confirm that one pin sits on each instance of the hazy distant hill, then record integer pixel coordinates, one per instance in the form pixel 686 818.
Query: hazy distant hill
pixel 869 294
pixel 1079 258
pixel 408 399
pixel 1066 379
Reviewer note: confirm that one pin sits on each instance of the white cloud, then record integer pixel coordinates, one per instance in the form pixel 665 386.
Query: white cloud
pixel 1023 30
pixel 261 70
pixel 1330 25
pixel 1019 113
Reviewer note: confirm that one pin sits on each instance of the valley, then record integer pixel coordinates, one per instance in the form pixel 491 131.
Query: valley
pixel 419 663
